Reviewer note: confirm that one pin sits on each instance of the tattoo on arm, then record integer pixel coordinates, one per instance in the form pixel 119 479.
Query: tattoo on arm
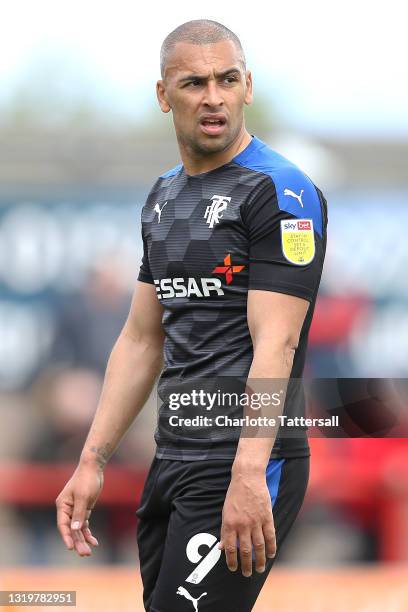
pixel 102 454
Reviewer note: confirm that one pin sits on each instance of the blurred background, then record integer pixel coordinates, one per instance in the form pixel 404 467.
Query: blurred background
pixel 81 141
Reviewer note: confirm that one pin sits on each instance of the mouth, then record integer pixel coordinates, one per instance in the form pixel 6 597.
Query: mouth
pixel 213 125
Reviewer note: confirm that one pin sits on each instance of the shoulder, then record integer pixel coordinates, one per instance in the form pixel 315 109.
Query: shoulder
pixel 165 180
pixel 295 191
pixel 172 172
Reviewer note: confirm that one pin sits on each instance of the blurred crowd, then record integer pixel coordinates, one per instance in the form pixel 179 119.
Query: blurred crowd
pixel 47 420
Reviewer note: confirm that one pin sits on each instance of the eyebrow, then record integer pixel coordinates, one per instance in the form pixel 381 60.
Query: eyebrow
pixel 198 77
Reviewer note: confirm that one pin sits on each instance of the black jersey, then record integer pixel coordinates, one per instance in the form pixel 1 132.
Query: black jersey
pixel 257 222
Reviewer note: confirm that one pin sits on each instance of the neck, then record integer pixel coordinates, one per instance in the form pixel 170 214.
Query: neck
pixel 197 164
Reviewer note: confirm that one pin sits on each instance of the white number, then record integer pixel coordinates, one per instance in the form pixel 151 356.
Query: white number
pixel 204 563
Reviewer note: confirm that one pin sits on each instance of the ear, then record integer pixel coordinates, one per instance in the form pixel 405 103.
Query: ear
pixel 248 88
pixel 162 96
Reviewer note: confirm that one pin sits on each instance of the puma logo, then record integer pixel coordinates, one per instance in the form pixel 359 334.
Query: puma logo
pixel 159 210
pixel 289 192
pixel 182 591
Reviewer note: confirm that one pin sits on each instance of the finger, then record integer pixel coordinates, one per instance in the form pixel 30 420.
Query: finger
pixel 88 535
pixel 270 539
pixel 80 513
pixel 64 511
pixel 245 552
pixel 90 538
pixel 81 546
pixel 258 543
pixel 230 546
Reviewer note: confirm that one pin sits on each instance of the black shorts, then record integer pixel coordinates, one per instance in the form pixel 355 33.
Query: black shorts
pixel 179 527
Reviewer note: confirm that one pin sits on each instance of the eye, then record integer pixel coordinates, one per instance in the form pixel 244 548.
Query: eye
pixel 230 79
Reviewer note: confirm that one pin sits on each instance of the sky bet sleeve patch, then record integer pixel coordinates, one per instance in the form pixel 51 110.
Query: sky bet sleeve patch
pixel 298 242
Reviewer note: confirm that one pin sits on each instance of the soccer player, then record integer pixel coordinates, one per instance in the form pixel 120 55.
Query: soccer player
pixel 234 241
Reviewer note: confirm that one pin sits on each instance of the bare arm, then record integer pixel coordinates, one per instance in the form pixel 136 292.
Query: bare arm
pixel 275 321
pixel 134 364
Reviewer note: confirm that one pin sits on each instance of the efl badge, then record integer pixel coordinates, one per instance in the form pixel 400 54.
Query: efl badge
pixel 298 244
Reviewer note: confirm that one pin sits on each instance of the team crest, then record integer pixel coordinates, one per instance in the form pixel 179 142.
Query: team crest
pixel 213 211
pixel 298 244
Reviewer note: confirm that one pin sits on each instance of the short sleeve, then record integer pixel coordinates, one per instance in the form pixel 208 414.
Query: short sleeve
pixel 145 274
pixel 286 247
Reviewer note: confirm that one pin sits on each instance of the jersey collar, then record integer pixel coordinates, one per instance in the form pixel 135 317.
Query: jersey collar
pixel 249 150
pixel 241 158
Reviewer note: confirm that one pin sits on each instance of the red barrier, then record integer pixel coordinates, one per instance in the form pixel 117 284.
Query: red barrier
pixel 335 317
pixel 37 484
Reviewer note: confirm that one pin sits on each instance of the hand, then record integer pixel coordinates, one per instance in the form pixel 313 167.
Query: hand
pixel 247 520
pixel 74 506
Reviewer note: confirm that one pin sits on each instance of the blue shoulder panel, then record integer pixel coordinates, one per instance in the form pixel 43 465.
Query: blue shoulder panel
pixel 172 172
pixel 295 191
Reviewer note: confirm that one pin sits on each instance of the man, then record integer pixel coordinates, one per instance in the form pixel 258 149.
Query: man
pixel 234 242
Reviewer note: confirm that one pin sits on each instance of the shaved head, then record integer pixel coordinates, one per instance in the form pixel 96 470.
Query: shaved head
pixel 198 32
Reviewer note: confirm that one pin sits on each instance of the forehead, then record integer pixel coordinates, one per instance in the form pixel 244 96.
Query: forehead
pixel 188 58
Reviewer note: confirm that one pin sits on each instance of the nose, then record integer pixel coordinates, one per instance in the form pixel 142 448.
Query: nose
pixel 212 96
